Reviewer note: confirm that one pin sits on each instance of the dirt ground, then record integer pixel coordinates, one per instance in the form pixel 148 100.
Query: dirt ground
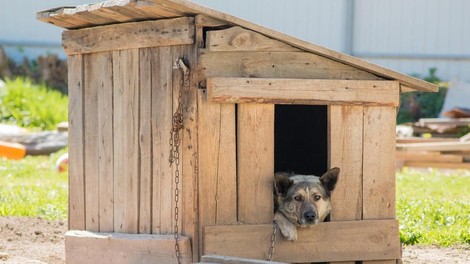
pixel 34 240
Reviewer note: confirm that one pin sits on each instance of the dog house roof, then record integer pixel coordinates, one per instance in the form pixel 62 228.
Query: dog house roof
pixel 119 11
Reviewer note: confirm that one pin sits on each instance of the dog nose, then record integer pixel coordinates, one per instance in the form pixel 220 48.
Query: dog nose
pixel 310 216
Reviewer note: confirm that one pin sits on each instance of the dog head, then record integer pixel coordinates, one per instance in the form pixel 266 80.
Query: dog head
pixel 304 199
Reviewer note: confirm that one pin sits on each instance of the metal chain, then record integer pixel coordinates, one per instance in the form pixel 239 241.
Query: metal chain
pixel 273 241
pixel 175 141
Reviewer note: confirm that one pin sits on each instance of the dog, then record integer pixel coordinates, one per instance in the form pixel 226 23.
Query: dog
pixel 302 200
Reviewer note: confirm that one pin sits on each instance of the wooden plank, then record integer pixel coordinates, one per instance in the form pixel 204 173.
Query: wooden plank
pixel 444 121
pixel 345 148
pixel 255 147
pixel 379 163
pixel 430 157
pixel 92 79
pixel 103 78
pixel 145 141
pixel 162 111
pixel 235 260
pixel 240 39
pixel 435 146
pixel 442 165
pixel 424 140
pixel 205 21
pixel 126 145
pixel 115 248
pixel 129 35
pixel 329 241
pixel 302 65
pixel 217 163
pixel 76 215
pixel 300 91
pixel 190 217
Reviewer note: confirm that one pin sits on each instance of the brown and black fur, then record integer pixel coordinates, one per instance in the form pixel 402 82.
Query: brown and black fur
pixel 302 200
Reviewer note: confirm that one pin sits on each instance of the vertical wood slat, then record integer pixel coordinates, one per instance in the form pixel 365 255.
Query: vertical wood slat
pixel 126 125
pixel 91 86
pixel 177 76
pixel 103 74
pixel 345 148
pixel 217 163
pixel 255 128
pixel 189 188
pixel 345 151
pixel 162 102
pixel 145 146
pixel 379 166
pixel 76 215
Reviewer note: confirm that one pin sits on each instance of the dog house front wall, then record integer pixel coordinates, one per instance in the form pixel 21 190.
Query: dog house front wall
pixel 123 92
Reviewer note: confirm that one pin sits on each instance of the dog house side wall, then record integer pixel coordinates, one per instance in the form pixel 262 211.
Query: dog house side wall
pixel 122 98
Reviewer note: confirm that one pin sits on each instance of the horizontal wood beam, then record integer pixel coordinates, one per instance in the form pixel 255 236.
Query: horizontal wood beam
pixel 177 31
pixel 332 241
pixel 435 146
pixel 302 91
pixel 91 247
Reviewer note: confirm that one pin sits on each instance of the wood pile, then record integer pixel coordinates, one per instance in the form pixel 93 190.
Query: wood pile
pixel 437 152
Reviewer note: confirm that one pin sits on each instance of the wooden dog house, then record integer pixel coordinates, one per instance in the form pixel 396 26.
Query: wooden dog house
pixel 256 101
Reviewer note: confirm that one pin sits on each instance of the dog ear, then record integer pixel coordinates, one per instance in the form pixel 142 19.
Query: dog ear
pixel 282 183
pixel 329 179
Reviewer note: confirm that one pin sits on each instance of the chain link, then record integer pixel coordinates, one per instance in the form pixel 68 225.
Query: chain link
pixel 273 241
pixel 175 141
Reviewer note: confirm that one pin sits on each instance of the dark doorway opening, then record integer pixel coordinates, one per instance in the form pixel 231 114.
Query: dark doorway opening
pixel 301 139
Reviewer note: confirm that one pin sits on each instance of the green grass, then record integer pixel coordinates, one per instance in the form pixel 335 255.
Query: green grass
pixel 433 207
pixel 32 187
pixel 32 106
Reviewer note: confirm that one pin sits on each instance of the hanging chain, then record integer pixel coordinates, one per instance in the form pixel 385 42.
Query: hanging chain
pixel 175 141
pixel 273 241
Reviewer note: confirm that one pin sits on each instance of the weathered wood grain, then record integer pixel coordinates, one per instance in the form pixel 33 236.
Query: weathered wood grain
pixel 300 91
pixel 255 147
pixel 333 241
pixel 145 141
pixel 240 39
pixel 261 64
pixel 76 215
pixel 166 32
pixel 126 145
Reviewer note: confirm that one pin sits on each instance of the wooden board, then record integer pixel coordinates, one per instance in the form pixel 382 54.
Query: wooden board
pixel 442 165
pixel 430 157
pixel 234 260
pixel 255 147
pixel 162 111
pixel 129 35
pixel 435 146
pixel 333 241
pixel 103 81
pixel 302 65
pixel 114 248
pixel 145 141
pixel 345 151
pixel 300 91
pixel 217 163
pixel 240 39
pixel 126 145
pixel 379 163
pixel 76 215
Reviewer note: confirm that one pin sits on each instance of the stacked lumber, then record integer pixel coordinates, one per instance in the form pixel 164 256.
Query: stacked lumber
pixel 434 152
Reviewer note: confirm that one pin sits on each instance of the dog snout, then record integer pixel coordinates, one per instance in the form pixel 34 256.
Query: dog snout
pixel 310 216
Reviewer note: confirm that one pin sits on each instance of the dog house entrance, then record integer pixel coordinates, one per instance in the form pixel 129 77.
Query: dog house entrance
pixel 300 137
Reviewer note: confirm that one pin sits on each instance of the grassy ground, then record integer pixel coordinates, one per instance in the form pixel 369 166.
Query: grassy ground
pixel 432 206
pixel 32 187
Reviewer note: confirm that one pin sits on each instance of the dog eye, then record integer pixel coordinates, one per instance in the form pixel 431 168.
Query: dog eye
pixel 317 197
pixel 298 198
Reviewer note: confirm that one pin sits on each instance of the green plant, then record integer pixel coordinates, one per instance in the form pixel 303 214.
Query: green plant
pixel 32 106
pixel 433 207
pixel 32 187
pixel 415 105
